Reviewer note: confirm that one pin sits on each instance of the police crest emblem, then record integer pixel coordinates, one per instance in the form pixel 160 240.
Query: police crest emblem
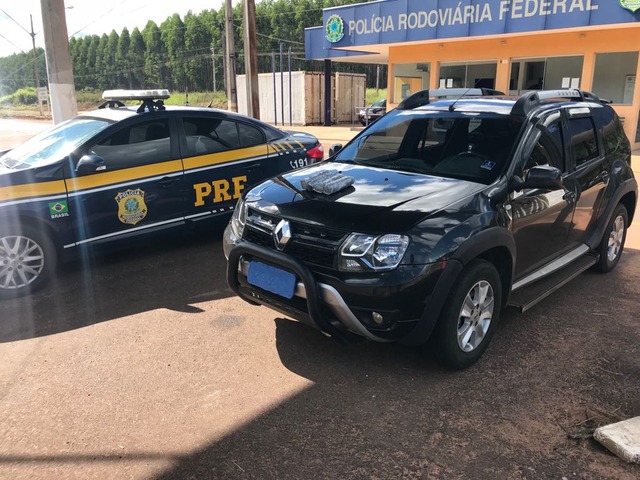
pixel 334 29
pixel 131 206
pixel 632 5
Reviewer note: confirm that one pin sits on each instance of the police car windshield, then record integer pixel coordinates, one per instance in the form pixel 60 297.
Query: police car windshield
pixel 53 144
pixel 465 146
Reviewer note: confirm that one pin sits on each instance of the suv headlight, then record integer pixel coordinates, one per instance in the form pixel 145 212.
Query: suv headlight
pixel 361 252
pixel 239 218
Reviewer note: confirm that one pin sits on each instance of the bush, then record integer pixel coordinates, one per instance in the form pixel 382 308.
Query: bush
pixel 24 96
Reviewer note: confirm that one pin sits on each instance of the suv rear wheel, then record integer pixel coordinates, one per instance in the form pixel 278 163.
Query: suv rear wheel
pixel 469 318
pixel 28 258
pixel 612 243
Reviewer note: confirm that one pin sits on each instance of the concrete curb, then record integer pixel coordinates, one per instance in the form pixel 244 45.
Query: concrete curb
pixel 622 438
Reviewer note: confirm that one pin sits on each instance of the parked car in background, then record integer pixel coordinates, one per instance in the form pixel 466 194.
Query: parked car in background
pixel 431 221
pixel 373 112
pixel 120 172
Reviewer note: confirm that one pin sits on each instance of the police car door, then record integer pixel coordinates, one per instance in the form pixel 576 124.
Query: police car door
pixel 222 157
pixel 133 184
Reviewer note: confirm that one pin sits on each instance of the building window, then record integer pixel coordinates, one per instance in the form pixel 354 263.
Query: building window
pixel 409 78
pixel 468 75
pixel 545 74
pixel 614 76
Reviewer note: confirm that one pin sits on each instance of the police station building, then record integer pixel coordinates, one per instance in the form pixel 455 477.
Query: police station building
pixel 510 45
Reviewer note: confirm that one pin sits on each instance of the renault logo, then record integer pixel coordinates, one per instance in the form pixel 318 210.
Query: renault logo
pixel 282 234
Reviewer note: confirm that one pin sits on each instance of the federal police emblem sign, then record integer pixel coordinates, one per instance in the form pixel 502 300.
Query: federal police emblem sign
pixel 334 29
pixel 632 5
pixel 131 206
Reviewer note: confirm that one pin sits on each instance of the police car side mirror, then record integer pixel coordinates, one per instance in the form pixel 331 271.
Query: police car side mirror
pixel 90 163
pixel 543 177
pixel 334 149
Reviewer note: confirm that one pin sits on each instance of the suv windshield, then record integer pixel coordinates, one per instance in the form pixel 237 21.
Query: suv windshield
pixel 53 144
pixel 464 146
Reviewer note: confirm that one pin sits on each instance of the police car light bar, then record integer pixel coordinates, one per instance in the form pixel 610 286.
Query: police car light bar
pixel 158 94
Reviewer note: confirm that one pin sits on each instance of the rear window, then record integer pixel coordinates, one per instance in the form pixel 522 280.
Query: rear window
pixel 457 145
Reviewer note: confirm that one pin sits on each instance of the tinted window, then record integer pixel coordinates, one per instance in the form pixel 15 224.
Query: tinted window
pixel 140 144
pixel 613 136
pixel 583 140
pixel 547 149
pixel 211 135
pixel 250 136
pixel 459 146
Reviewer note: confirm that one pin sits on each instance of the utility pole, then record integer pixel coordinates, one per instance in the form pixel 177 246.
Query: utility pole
pixel 56 40
pixel 232 98
pixel 213 62
pixel 251 59
pixel 36 72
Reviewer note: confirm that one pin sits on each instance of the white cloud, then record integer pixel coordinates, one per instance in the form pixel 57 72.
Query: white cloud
pixel 86 17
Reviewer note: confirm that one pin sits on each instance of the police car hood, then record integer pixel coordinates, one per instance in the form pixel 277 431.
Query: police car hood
pixel 377 199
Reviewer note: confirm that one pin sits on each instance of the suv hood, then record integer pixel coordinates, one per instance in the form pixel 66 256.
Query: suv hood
pixel 378 199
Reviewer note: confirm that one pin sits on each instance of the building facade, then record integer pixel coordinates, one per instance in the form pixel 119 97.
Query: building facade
pixel 509 45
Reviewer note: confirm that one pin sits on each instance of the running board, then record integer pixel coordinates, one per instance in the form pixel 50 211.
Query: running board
pixel 526 297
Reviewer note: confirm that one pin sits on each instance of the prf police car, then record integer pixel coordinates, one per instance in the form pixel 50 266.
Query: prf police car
pixel 122 171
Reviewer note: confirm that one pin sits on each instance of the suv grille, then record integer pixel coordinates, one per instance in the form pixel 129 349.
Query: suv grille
pixel 313 245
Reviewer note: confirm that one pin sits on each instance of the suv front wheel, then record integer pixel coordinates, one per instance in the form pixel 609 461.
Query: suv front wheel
pixel 470 315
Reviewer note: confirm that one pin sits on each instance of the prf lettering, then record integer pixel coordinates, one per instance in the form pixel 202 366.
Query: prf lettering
pixel 219 190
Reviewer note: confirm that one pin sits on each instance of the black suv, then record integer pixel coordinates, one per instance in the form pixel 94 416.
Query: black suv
pixel 437 216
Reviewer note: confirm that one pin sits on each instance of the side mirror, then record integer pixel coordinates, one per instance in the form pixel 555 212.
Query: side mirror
pixel 90 163
pixel 544 177
pixel 334 149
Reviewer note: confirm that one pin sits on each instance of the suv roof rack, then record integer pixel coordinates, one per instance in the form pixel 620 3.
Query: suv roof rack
pixel 423 97
pixel 531 100
pixel 151 99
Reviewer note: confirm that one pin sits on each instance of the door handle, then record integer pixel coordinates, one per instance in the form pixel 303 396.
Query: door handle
pixel 252 167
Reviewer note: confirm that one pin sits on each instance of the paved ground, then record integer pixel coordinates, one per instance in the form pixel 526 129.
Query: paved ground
pixel 140 365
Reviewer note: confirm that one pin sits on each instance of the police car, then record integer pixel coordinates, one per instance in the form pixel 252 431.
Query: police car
pixel 120 171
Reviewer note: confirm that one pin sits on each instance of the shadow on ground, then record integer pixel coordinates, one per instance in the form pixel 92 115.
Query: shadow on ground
pixel 386 411
pixel 172 273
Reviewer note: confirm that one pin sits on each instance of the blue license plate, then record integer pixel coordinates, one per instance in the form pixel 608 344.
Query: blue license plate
pixel 272 279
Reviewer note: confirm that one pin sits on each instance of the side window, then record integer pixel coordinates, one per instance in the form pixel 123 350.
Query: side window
pixel 547 147
pixel 140 144
pixel 613 136
pixel 583 140
pixel 210 135
pixel 250 135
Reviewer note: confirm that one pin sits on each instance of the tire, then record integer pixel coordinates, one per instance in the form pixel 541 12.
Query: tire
pixel 470 315
pixel 612 243
pixel 28 259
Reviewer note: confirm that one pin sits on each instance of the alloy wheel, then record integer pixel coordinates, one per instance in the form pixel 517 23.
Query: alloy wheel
pixel 21 262
pixel 475 316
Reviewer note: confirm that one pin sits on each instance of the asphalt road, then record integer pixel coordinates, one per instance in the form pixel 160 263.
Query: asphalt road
pixel 140 364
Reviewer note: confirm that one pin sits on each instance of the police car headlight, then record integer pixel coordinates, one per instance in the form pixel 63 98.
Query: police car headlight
pixel 361 252
pixel 239 218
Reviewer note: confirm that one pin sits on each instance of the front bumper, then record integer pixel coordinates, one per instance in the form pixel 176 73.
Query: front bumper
pixel 338 312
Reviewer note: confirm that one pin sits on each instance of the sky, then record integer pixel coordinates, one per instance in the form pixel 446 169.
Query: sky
pixel 86 17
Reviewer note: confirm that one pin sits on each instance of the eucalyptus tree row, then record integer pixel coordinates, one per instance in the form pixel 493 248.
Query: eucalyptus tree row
pixel 181 53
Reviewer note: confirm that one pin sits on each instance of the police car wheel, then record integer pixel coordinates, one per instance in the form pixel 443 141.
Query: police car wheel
pixel 28 257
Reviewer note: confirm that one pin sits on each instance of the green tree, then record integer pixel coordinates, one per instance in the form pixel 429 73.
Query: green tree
pixel 197 41
pixel 136 59
pixel 122 59
pixel 91 62
pixel 172 35
pixel 154 68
